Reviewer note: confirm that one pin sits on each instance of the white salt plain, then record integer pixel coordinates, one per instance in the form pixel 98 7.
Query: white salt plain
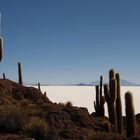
pixel 83 96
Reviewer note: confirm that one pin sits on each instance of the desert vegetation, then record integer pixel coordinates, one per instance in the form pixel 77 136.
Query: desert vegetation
pixel 27 112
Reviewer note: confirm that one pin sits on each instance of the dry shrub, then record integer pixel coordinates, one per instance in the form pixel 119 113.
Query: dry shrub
pixel 65 105
pixel 24 103
pixel 33 110
pixel 10 100
pixel 12 118
pixel 68 104
pixel 37 128
pixel 4 101
pixel 107 126
pixel 61 106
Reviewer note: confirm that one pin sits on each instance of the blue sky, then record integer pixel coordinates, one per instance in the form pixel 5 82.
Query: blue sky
pixel 68 41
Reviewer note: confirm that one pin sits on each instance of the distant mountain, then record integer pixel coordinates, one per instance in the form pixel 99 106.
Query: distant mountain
pixel 127 83
pixel 123 83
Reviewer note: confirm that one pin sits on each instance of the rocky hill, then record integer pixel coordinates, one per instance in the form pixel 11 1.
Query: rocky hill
pixel 26 112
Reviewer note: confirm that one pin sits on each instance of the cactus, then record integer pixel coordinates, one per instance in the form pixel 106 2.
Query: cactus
pixel 102 99
pixel 1 48
pixel 101 84
pixel 102 110
pixel 99 104
pixel 111 75
pixel 20 73
pixel 39 86
pixel 45 93
pixel 119 106
pixel 4 77
pixel 130 115
pixel 110 97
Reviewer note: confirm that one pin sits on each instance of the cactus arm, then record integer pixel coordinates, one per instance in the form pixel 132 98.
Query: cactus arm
pixel 102 100
pixel 118 84
pixel 119 106
pixel 111 75
pixel 101 84
pixel 106 93
pixel 113 90
pixel 97 96
pixel 95 107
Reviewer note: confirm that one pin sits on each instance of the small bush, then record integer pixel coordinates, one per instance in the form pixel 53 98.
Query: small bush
pixel 65 105
pixel 37 128
pixel 68 104
pixel 12 118
pixel 107 126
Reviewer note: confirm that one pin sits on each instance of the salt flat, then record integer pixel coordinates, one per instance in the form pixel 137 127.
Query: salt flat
pixel 83 96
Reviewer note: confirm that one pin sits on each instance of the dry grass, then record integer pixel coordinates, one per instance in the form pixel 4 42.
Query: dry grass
pixel 37 128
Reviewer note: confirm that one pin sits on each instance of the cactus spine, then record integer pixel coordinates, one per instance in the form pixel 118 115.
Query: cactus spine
pixel 119 106
pixel 130 115
pixel 20 73
pixel 1 48
pixel 99 104
pixel 110 97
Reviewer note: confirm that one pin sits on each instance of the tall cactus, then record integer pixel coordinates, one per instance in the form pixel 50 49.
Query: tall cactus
pixel 110 97
pixel 130 115
pixel 99 104
pixel 119 106
pixel 101 85
pixel 20 73
pixel 102 99
pixel 1 48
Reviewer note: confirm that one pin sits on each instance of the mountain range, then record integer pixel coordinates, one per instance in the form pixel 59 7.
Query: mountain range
pixel 123 83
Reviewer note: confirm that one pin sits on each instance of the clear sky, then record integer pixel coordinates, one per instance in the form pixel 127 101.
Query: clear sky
pixel 68 41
